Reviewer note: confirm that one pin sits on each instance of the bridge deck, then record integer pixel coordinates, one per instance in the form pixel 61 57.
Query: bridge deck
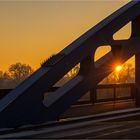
pixel 90 109
pixel 102 130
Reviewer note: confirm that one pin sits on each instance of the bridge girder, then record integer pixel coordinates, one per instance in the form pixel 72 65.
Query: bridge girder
pixel 25 104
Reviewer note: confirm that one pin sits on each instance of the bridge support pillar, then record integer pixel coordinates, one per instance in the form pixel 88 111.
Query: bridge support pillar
pixel 136 33
pixel 137 79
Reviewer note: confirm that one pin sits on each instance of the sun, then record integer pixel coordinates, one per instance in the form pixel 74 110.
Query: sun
pixel 118 68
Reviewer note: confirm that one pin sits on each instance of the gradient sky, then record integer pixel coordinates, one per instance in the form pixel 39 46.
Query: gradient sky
pixel 31 31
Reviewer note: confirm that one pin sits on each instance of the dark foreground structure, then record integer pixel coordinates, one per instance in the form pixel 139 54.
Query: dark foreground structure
pixel 24 105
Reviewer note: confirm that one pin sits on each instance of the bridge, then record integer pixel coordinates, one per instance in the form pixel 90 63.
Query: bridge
pixel 26 105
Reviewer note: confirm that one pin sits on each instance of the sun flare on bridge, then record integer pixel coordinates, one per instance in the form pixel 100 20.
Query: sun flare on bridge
pixel 118 68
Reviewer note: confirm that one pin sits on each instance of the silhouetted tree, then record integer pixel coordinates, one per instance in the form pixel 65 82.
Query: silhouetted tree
pixel 19 72
pixel 73 71
pixel 126 75
pixel 5 80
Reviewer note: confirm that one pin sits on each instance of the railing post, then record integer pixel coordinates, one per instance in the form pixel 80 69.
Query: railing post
pixel 133 91
pixel 137 79
pixel 93 95
pixel 114 92
pixel 136 33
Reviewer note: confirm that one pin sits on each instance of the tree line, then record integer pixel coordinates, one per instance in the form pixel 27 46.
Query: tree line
pixel 15 75
pixel 126 75
pixel 18 72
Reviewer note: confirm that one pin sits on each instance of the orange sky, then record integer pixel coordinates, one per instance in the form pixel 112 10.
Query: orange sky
pixel 30 31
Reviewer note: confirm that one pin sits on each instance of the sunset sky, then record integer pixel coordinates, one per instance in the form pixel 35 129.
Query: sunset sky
pixel 31 31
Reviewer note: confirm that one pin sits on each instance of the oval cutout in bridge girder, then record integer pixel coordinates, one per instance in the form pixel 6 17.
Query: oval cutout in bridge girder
pixel 101 51
pixel 123 33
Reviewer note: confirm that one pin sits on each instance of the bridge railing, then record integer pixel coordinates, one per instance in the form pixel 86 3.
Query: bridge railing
pixel 116 91
pixel 109 92
pixel 102 93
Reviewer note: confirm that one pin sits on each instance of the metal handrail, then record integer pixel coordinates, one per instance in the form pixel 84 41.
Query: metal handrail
pixel 93 93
